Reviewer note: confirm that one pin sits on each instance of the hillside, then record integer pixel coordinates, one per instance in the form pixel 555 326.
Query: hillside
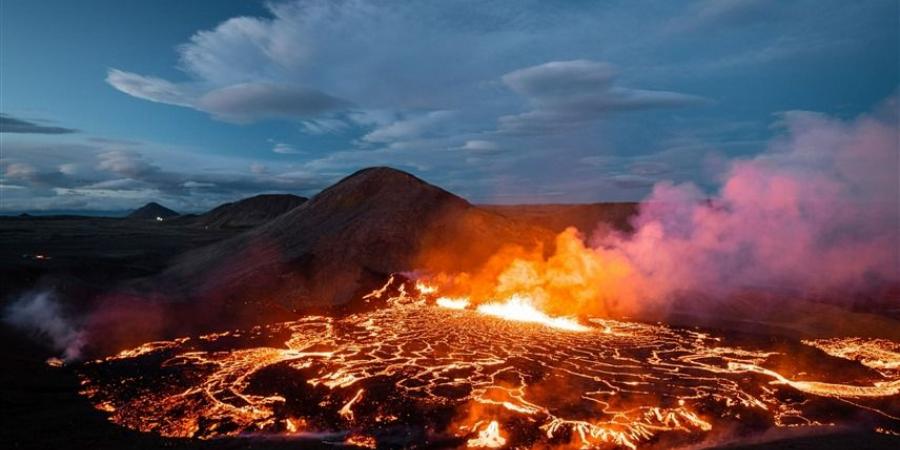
pixel 249 212
pixel 348 239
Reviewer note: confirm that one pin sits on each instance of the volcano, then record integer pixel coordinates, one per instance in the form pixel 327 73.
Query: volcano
pixel 340 321
pixel 344 242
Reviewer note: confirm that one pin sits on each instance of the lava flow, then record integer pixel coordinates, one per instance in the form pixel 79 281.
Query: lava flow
pixel 431 370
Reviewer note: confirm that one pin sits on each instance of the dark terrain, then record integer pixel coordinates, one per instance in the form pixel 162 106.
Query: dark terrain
pixel 264 259
pixel 248 212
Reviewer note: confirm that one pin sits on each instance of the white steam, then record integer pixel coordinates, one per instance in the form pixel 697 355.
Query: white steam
pixel 40 313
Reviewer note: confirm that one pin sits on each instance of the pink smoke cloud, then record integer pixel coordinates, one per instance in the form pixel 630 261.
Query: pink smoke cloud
pixel 816 212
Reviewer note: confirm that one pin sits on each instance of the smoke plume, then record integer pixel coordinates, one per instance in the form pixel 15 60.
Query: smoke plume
pixel 816 214
pixel 39 312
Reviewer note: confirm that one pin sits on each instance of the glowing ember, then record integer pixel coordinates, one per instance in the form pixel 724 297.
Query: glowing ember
pixel 361 441
pixel 55 362
pixel 291 425
pixel 346 412
pixel 520 309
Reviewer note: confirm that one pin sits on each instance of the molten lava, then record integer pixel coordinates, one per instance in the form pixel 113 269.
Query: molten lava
pixel 452 303
pixel 521 309
pixel 489 437
pixel 432 369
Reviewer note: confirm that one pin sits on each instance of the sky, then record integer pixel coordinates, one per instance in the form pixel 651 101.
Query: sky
pixel 109 104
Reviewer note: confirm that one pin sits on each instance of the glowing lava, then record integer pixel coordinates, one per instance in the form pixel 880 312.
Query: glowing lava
pixel 489 437
pixel 879 354
pixel 452 303
pixel 520 309
pixel 487 378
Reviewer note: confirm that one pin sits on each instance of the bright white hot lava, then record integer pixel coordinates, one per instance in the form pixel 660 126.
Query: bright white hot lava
pixel 521 309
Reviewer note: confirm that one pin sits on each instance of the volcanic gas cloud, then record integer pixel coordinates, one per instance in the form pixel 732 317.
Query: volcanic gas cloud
pixel 814 215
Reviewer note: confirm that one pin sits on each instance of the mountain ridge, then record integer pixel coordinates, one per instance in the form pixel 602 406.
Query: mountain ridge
pixel 152 211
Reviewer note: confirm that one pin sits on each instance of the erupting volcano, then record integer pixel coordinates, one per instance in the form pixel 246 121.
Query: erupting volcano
pixel 422 369
pixel 450 225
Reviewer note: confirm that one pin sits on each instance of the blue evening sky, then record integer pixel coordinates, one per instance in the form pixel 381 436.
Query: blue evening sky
pixel 109 104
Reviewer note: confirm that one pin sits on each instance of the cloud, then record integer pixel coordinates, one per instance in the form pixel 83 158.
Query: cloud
pixel 151 88
pixel 126 163
pixel 481 146
pixel 238 103
pixel 285 149
pixel 249 102
pixel 105 176
pixel 408 128
pixel 725 14
pixel 191 184
pixel 325 126
pixel 10 124
pixel 118 184
pixel 569 93
pixel 372 83
pixel 20 171
pixel 628 181
pixel 258 168
pixel 24 173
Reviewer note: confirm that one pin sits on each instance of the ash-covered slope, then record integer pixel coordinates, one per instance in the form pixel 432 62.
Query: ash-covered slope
pixel 151 211
pixel 249 212
pixel 346 241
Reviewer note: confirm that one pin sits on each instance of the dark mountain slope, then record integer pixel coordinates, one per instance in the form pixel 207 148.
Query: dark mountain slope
pixel 343 242
pixel 249 212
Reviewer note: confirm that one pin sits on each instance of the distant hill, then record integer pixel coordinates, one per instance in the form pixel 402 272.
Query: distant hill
pixel 249 212
pixel 343 242
pixel 56 213
pixel 151 211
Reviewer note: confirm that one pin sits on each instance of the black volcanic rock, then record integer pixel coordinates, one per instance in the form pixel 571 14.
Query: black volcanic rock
pixel 151 211
pixel 250 212
pixel 344 242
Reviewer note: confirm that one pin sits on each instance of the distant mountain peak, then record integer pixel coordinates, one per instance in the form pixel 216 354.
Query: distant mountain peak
pixel 383 175
pixel 152 210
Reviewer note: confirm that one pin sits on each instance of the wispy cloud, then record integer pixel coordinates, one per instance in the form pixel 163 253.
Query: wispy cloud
pixel 570 93
pixel 285 149
pixel 238 103
pixel 10 124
